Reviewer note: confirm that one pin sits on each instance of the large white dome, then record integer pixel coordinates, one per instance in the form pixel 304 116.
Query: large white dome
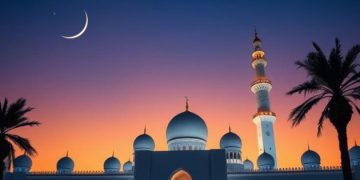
pixel 186 125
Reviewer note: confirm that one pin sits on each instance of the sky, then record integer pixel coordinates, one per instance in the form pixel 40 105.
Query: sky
pixel 138 59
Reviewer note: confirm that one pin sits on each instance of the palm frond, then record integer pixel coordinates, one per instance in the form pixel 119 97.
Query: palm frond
pixel 305 87
pixel 4 106
pixel 355 96
pixel 353 92
pixel 355 106
pixel 324 115
pixel 316 67
pixel 335 62
pixel 16 113
pixel 350 59
pixel 11 156
pixel 22 124
pixel 355 78
pixel 3 109
pixel 320 52
pixel 22 143
pixel 298 113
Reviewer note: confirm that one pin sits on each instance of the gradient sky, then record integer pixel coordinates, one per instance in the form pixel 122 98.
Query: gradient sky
pixel 138 59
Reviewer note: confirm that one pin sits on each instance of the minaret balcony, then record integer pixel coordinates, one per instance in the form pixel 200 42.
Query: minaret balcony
pixel 270 115
pixel 261 84
pixel 255 62
pixel 258 54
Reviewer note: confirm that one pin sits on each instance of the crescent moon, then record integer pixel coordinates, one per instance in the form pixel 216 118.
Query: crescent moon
pixel 82 31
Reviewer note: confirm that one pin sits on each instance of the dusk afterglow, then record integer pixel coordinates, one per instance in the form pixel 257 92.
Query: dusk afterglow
pixel 137 60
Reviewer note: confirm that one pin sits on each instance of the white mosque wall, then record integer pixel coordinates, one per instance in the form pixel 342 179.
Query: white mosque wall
pixel 299 175
pixel 326 173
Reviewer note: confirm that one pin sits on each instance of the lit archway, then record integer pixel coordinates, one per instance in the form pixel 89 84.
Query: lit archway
pixel 181 175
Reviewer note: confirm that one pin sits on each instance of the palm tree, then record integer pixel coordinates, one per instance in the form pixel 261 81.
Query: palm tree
pixel 335 80
pixel 12 117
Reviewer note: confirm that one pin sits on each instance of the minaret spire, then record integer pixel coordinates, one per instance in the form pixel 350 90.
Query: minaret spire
pixel 186 103
pixel 256 34
pixel 257 41
pixel 264 118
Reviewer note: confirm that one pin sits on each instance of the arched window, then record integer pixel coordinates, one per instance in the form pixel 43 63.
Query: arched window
pixel 180 175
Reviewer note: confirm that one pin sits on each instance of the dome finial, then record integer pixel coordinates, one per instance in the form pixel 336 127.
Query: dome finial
pixel 229 128
pixel 308 146
pixel 187 103
pixel 145 129
pixel 67 153
pixel 355 143
pixel 113 154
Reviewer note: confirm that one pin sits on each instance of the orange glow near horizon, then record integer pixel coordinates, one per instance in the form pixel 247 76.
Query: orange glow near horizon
pixel 91 135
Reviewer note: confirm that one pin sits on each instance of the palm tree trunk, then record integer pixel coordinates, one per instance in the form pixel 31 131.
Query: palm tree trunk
pixel 2 170
pixel 345 160
pixel 3 154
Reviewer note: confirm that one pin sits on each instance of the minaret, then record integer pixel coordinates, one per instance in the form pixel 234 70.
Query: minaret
pixel 261 86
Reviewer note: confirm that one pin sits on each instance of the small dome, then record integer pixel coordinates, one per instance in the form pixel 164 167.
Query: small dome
pixel 230 140
pixel 65 164
pixel 354 153
pixel 265 161
pixel 112 164
pixel 310 157
pixel 186 125
pixel 248 165
pixel 128 166
pixel 23 161
pixel 144 142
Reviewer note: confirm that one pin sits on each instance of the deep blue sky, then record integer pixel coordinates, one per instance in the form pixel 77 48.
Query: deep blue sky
pixel 155 33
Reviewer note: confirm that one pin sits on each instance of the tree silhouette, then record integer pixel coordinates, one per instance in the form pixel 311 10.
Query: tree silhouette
pixel 336 80
pixel 12 117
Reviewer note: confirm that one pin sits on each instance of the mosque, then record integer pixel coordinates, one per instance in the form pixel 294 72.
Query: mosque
pixel 187 157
